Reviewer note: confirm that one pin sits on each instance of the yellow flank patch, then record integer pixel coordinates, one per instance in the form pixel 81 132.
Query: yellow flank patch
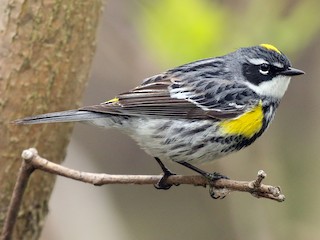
pixel 246 124
pixel 270 47
pixel 113 100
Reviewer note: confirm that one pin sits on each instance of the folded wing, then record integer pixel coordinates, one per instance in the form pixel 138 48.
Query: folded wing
pixel 170 96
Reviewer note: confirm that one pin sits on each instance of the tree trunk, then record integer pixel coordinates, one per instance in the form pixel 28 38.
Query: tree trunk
pixel 46 48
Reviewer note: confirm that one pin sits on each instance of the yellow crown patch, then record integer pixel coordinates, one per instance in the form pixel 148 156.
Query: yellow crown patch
pixel 270 47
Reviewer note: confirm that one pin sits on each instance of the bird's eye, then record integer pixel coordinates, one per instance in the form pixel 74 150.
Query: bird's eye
pixel 264 68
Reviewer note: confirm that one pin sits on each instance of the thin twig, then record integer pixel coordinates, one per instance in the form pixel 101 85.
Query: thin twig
pixel 24 174
pixel 254 187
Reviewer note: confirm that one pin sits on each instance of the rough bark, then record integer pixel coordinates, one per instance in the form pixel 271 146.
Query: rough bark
pixel 46 48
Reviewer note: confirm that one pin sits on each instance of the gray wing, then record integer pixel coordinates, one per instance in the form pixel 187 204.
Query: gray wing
pixel 166 95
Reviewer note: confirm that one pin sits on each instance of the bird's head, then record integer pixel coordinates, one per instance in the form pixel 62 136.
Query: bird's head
pixel 265 70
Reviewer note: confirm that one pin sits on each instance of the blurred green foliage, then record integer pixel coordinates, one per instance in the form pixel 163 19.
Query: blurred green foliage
pixel 177 31
pixel 183 30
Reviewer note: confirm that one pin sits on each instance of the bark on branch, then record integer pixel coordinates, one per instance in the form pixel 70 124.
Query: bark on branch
pixel 224 186
pixel 255 187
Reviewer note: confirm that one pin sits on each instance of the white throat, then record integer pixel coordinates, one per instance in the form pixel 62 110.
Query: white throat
pixel 273 88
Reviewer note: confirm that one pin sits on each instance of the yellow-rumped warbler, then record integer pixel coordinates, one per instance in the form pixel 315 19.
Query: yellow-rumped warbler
pixel 197 112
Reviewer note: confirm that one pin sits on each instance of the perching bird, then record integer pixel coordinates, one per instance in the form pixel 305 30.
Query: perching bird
pixel 196 112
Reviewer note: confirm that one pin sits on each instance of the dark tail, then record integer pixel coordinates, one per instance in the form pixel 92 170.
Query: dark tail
pixel 65 116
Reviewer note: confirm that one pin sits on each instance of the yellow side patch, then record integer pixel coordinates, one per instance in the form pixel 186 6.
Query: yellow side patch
pixel 246 124
pixel 113 100
pixel 270 47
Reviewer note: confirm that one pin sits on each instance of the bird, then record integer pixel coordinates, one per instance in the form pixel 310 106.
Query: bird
pixel 196 112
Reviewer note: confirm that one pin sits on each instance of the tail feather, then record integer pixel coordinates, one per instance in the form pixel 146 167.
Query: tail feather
pixel 65 116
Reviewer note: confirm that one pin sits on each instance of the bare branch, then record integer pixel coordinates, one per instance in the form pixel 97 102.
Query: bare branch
pixel 16 198
pixel 224 186
pixel 217 189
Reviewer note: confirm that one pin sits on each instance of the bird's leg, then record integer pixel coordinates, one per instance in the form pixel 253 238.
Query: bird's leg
pixel 210 176
pixel 162 184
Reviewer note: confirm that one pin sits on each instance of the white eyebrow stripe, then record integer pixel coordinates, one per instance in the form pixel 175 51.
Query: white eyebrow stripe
pixel 257 61
pixel 277 64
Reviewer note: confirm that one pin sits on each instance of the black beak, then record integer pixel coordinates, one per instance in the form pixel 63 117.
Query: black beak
pixel 290 71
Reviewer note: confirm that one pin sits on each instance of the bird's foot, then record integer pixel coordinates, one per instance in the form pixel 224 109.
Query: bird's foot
pixel 216 193
pixel 214 176
pixel 163 184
